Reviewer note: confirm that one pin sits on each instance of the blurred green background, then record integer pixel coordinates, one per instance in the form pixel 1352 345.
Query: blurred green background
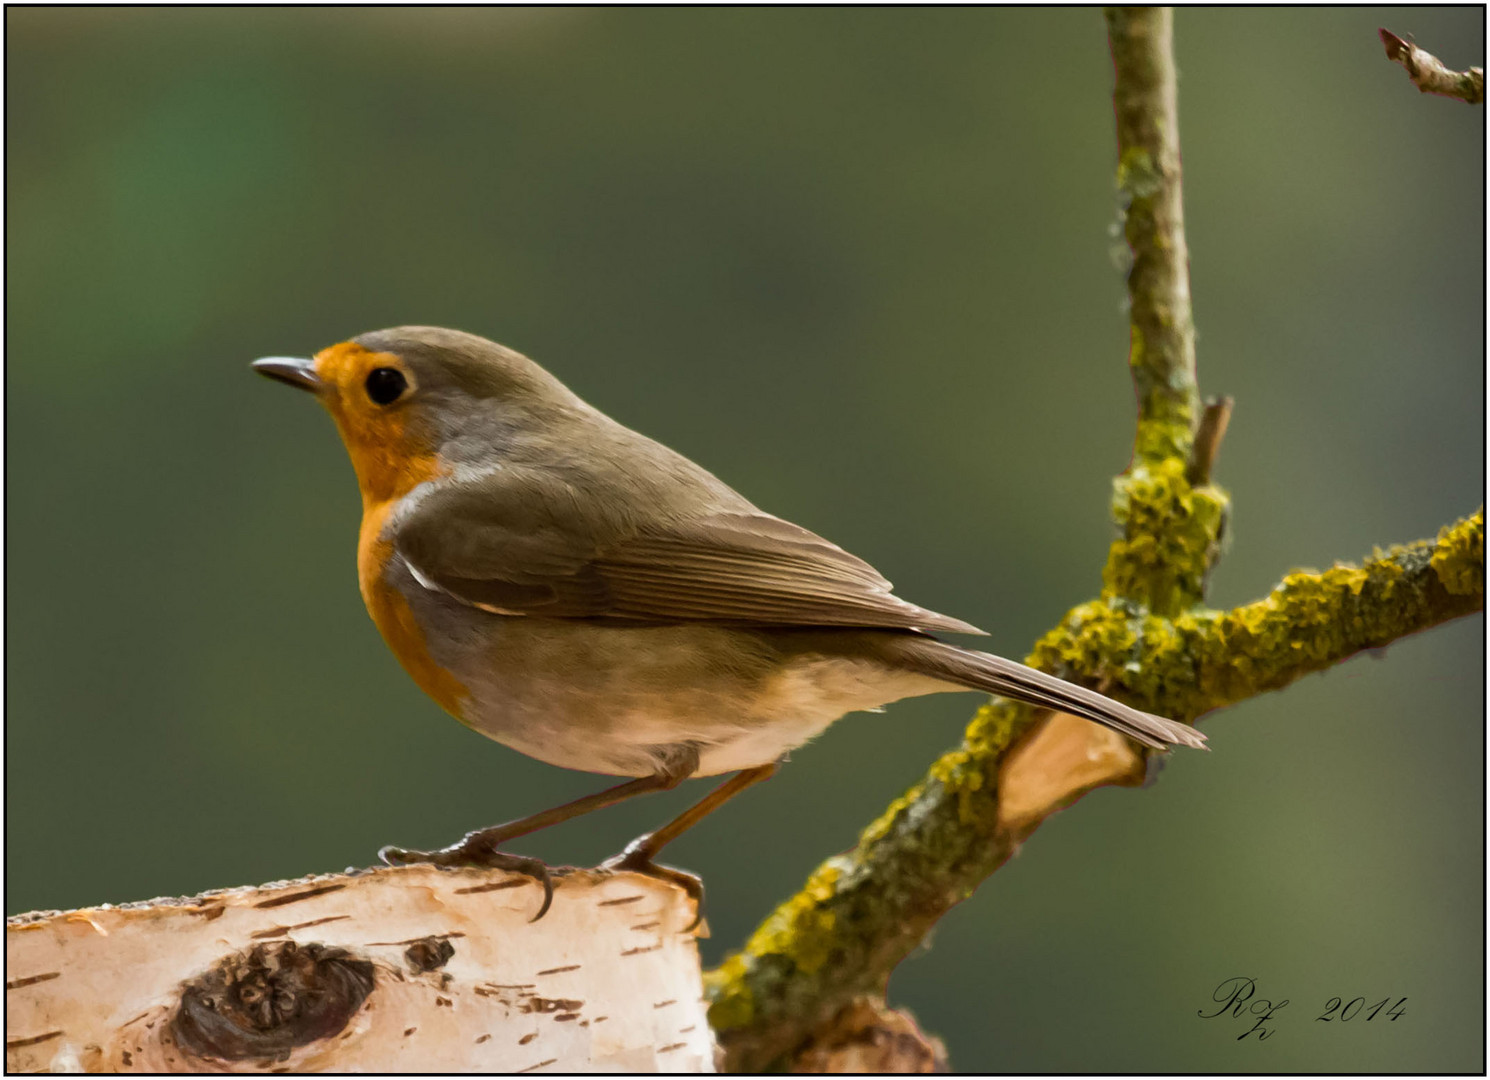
pixel 859 263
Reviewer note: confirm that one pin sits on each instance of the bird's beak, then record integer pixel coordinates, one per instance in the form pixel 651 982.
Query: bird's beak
pixel 290 369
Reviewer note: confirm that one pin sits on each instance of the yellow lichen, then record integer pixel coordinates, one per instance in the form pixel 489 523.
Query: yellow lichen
pixel 801 930
pixel 1168 435
pixel 731 1004
pixel 1090 640
pixel 1198 660
pixel 961 773
pixel 993 729
pixel 1173 657
pixel 819 886
pixel 880 827
pixel 1459 556
pixel 1171 535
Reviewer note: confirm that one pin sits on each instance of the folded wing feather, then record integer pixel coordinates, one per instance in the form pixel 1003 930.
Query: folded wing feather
pixel 551 557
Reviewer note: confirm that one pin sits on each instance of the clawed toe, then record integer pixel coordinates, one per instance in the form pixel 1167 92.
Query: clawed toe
pixel 474 851
pixel 397 856
pixel 638 860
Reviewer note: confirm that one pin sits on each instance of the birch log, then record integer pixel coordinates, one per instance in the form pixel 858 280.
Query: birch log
pixel 409 969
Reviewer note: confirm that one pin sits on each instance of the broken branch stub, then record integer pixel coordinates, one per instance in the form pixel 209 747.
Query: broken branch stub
pixel 395 969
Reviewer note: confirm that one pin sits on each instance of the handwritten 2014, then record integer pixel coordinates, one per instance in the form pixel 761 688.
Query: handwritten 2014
pixel 1237 998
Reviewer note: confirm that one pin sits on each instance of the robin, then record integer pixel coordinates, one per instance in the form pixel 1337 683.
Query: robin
pixel 582 594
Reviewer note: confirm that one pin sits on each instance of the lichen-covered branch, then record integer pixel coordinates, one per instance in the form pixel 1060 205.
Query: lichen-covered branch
pixel 1147 639
pixel 1430 75
pixel 1162 346
pixel 1203 660
pixel 1163 564
pixel 862 912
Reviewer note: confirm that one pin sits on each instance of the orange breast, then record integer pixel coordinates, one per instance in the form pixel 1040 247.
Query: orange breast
pixel 395 619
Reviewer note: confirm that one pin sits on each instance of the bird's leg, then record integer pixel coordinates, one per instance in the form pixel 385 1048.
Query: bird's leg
pixel 479 848
pixel 641 852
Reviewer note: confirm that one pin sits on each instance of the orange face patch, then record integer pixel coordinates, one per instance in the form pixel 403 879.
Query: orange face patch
pixel 390 460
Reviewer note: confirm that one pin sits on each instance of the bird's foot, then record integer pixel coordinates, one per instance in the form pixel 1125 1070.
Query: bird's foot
pixel 638 858
pixel 479 849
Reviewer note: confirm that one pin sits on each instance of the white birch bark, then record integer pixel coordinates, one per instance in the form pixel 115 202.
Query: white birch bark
pixel 388 970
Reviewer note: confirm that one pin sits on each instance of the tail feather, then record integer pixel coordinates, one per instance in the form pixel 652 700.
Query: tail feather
pixel 995 675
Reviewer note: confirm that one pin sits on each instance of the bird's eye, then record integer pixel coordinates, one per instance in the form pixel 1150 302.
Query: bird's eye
pixel 385 385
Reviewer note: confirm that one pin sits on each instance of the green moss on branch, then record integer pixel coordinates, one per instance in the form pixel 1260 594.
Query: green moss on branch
pixel 1161 352
pixel 1146 638
pixel 1171 536
pixel 1201 660
pixel 1459 556
pixel 862 912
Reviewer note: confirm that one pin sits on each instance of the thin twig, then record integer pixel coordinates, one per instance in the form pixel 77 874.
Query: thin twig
pixel 1163 560
pixel 1430 75
pixel 1203 660
pixel 862 912
pixel 1162 348
pixel 1208 438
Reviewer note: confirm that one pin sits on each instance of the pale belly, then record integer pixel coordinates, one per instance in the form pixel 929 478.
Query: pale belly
pixel 622 700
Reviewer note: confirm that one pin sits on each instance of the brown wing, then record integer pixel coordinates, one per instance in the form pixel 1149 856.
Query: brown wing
pixel 517 544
